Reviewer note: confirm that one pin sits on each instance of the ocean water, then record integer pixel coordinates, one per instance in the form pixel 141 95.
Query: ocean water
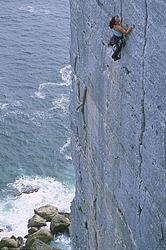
pixel 35 85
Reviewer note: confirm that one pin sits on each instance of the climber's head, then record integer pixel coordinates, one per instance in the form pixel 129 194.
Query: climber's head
pixel 118 19
pixel 115 20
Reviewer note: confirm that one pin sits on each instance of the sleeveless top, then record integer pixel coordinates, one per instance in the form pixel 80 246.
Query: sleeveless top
pixel 117 33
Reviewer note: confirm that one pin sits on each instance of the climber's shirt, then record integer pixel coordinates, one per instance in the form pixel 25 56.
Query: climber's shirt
pixel 117 33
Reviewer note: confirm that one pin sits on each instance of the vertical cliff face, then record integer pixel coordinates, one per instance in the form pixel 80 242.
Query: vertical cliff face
pixel 119 127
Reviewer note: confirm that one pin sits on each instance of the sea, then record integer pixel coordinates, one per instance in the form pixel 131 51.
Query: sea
pixel 35 85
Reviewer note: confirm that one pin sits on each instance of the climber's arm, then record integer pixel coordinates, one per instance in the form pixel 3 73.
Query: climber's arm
pixel 122 30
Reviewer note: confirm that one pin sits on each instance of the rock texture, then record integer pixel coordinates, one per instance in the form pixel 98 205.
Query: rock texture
pixel 43 234
pixel 8 242
pixel 59 223
pixel 119 127
pixel 32 230
pixel 40 245
pixel 47 212
pixel 36 221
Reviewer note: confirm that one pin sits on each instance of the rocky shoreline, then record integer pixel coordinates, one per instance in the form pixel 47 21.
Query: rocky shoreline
pixel 39 237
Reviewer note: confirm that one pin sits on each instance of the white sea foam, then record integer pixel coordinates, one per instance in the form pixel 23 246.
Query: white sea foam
pixel 16 103
pixel 27 8
pixel 64 148
pixel 31 9
pixel 46 84
pixel 38 116
pixel 66 145
pixel 40 93
pixel 66 73
pixel 61 102
pixel 62 241
pixel 44 11
pixel 68 157
pixel 10 104
pixel 15 211
pixel 4 105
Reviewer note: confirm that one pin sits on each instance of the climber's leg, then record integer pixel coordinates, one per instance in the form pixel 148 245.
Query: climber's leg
pixel 116 54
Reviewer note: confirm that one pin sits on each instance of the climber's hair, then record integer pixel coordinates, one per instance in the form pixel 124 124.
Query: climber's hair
pixel 112 22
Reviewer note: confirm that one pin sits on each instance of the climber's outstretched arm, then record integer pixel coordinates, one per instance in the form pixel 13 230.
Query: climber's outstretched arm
pixel 122 30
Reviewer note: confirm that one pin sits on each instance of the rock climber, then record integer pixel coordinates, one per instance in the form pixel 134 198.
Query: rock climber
pixel 119 34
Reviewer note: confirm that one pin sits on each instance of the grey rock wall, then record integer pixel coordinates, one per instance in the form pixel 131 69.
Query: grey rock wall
pixel 119 127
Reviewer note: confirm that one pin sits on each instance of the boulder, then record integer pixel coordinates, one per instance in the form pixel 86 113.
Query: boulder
pixel 13 237
pixel 47 212
pixel 30 190
pixel 20 241
pixel 39 245
pixel 36 221
pixel 67 215
pixel 11 248
pixel 59 224
pixel 24 190
pixel 33 230
pixel 22 248
pixel 43 234
pixel 8 242
pixel 4 248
